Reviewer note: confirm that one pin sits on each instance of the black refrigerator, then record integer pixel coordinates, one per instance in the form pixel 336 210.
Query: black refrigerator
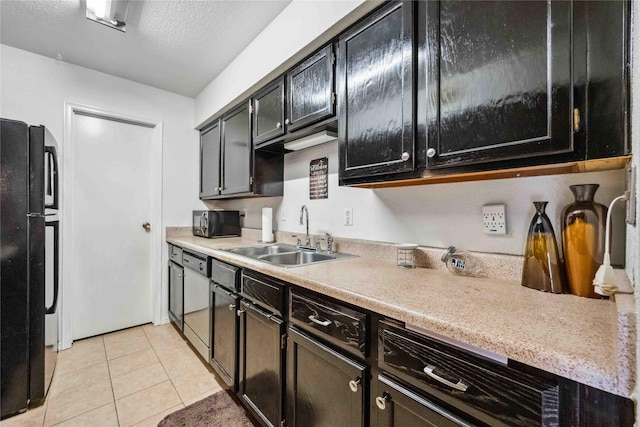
pixel 29 273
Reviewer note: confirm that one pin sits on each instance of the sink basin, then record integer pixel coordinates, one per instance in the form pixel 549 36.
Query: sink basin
pixel 287 256
pixel 296 258
pixel 256 251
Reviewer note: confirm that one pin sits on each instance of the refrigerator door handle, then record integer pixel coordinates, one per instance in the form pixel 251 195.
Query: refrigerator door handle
pixel 52 176
pixel 56 265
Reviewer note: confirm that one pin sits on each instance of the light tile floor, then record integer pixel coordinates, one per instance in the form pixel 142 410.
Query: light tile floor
pixel 133 377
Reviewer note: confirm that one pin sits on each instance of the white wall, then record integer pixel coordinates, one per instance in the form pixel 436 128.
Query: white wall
pixel 302 27
pixel 432 215
pixel 34 89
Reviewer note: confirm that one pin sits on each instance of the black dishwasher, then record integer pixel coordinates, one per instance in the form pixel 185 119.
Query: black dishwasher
pixel 224 321
pixel 262 347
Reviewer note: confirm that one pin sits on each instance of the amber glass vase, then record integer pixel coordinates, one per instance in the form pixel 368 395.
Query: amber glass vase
pixel 542 269
pixel 583 224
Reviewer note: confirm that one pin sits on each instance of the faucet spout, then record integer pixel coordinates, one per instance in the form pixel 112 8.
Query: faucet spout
pixel 304 214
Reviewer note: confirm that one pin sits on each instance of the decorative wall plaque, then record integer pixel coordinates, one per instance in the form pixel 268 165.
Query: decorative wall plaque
pixel 319 179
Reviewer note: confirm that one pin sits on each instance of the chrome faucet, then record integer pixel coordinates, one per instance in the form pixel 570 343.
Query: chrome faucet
pixel 304 210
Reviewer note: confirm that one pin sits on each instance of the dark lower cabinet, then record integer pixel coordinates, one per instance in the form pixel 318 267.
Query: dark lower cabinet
pixel 375 95
pixel 324 388
pixel 397 406
pixel 262 363
pixel 224 347
pixel 176 294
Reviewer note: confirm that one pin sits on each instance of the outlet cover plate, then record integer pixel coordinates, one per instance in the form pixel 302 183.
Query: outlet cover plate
pixel 348 216
pixel 494 219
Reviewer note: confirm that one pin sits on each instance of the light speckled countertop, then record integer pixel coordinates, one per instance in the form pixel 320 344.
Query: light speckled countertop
pixel 586 340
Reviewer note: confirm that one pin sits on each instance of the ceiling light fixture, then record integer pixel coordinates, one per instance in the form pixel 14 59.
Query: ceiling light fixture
pixel 311 140
pixel 112 13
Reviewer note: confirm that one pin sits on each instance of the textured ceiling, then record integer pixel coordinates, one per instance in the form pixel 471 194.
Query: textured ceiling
pixel 178 45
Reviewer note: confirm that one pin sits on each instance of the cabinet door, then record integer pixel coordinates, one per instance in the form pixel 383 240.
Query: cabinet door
pixel 210 161
pixel 495 80
pixel 310 90
pixel 224 349
pixel 375 96
pixel 319 385
pixel 397 406
pixel 236 150
pixel 268 116
pixel 262 363
pixel 176 291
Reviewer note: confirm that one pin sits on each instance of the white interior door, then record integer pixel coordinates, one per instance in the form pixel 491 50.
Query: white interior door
pixel 112 199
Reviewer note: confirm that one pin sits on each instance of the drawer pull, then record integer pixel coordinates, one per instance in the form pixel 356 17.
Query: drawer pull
pixel 381 401
pixel 458 386
pixel 353 384
pixel 314 319
pixel 231 307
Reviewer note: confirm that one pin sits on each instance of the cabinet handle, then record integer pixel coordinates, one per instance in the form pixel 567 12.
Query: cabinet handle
pixel 240 312
pixel 231 307
pixel 405 156
pixel 314 319
pixel 278 125
pixel 431 152
pixel 576 120
pixel 457 386
pixel 353 384
pixel 381 401
pixel 287 122
pixel 179 275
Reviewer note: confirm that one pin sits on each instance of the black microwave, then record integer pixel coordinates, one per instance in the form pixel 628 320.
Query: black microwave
pixel 216 223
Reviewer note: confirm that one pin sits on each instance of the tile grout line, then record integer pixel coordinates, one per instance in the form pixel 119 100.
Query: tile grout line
pixel 77 415
pixel 113 394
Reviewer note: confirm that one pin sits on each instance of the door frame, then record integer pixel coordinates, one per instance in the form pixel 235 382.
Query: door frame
pixel 70 112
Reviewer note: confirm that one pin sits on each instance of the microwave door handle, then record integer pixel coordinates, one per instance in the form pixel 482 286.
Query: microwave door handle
pixel 56 267
pixel 203 220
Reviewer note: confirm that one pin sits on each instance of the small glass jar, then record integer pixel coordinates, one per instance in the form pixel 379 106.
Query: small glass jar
pixel 406 256
pixel 462 263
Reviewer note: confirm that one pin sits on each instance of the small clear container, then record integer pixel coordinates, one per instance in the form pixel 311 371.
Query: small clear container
pixel 462 263
pixel 406 256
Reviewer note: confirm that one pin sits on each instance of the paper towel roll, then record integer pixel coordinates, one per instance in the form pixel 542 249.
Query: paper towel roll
pixel 267 225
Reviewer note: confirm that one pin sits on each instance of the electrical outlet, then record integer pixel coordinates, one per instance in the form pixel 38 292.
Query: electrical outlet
pixel 494 219
pixel 348 216
pixel 283 213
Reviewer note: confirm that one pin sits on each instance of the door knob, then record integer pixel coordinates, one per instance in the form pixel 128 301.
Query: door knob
pixel 353 384
pixel 146 226
pixel 405 156
pixel 431 152
pixel 381 401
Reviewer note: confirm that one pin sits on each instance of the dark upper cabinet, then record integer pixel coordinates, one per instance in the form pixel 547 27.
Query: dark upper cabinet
pixel 210 161
pixel 495 80
pixel 324 388
pixel 375 94
pixel 237 158
pixel 268 116
pixel 310 90
pixel 230 167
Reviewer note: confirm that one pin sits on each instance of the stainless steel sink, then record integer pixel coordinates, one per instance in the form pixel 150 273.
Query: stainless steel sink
pixel 287 256
pixel 296 258
pixel 256 251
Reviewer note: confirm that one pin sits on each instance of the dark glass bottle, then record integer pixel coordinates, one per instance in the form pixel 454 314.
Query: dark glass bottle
pixel 542 268
pixel 583 235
